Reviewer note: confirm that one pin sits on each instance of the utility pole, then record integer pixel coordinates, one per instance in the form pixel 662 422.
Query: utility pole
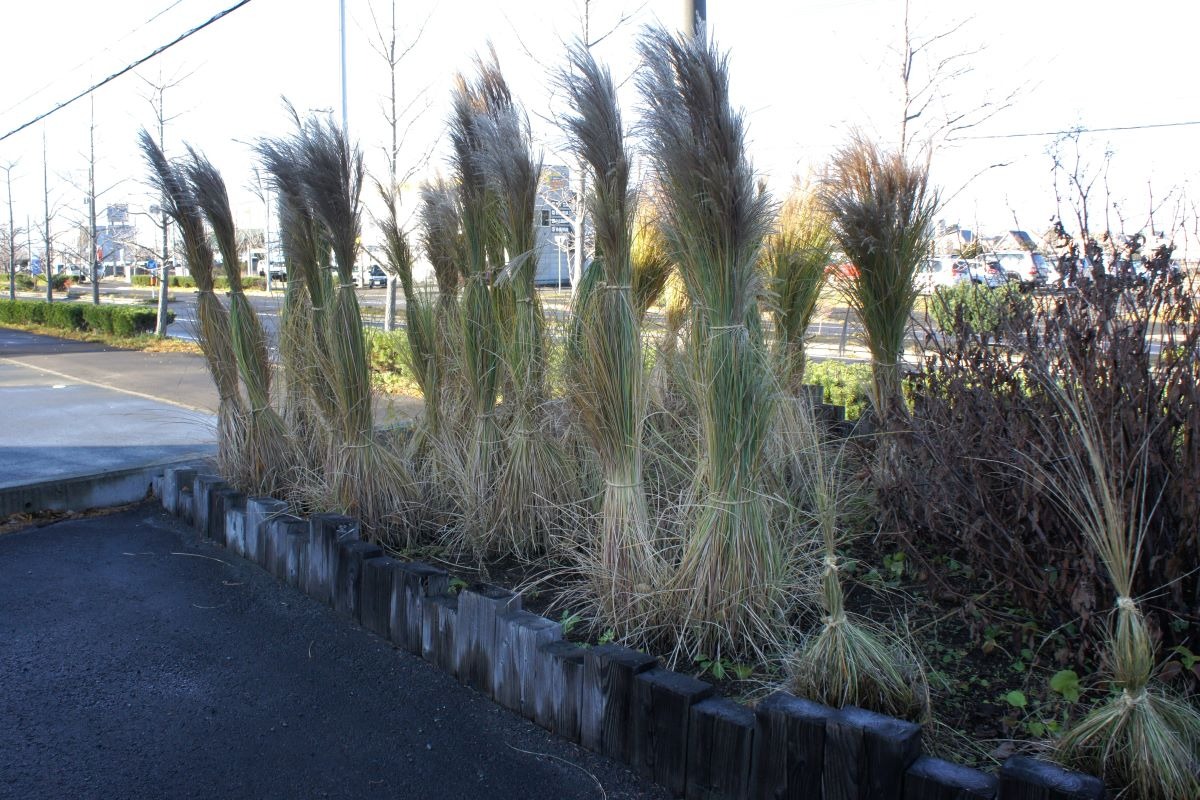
pixel 342 20
pixel 48 266
pixel 695 16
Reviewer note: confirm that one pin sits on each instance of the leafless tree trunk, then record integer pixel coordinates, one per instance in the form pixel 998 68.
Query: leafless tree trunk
pixel 387 46
pixel 157 101
pixel 12 234
pixel 48 265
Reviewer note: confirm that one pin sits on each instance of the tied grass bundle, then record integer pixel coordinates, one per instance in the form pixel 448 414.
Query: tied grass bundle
pixel 367 479
pixel 608 382
pixel 213 330
pixel 881 208
pixel 848 661
pixel 266 457
pixel 423 357
pixel 794 258
pixel 532 483
pixel 308 397
pixel 732 567
pixel 1140 738
pixel 650 257
pixel 478 455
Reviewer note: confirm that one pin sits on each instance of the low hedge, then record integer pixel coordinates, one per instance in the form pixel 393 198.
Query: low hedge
pixel 971 308
pixel 113 320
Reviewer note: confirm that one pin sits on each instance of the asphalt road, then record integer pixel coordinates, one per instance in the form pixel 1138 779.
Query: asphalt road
pixel 139 662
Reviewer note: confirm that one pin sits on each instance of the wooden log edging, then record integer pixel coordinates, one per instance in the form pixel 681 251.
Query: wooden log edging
pixel 667 726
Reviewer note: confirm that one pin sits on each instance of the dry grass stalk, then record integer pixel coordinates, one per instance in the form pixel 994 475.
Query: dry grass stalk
pixel 848 660
pixel 478 443
pixel 608 381
pixel 650 256
pixel 795 257
pixel 213 330
pixel 881 209
pixel 532 483
pixel 1140 738
pixel 367 478
pixel 732 569
pixel 268 454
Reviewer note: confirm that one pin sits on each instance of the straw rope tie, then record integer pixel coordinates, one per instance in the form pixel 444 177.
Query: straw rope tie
pixel 616 485
pixel 1132 699
pixel 831 563
pixel 1126 604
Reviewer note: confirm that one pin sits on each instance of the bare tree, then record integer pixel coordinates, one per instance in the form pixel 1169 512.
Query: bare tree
pixel 11 234
pixel 386 43
pixel 931 67
pixel 157 100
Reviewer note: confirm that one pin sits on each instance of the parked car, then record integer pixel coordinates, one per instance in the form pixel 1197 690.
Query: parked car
pixel 942 271
pixel 376 278
pixel 1028 269
pixel 986 271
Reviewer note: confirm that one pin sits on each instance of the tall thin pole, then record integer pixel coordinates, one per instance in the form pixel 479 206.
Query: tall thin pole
pixel 48 267
pixel 695 16
pixel 342 19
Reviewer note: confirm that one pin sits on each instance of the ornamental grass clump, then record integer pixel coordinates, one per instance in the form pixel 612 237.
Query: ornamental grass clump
pixel 607 383
pixel 794 258
pixel 847 660
pixel 475 450
pixel 267 457
pixel 1140 737
pixel 650 257
pixel 423 357
pixel 367 478
pixel 732 566
pixel 881 209
pixel 532 483
pixel 213 329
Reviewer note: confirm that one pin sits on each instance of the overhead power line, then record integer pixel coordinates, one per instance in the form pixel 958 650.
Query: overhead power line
pixel 89 59
pixel 133 66
pixel 1068 131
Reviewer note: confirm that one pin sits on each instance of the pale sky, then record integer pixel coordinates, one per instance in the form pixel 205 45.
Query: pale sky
pixel 805 73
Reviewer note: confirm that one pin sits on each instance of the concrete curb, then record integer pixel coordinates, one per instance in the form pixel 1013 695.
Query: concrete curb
pixel 94 490
pixel 669 727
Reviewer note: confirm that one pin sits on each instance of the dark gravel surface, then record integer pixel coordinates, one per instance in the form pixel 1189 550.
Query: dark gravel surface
pixel 134 665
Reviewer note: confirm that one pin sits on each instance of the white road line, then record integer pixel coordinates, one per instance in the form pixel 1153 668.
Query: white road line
pixel 99 385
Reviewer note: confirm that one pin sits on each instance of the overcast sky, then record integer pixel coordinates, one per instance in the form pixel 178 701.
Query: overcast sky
pixel 805 72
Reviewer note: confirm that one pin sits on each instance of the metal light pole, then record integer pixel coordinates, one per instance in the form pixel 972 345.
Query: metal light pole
pixel 695 16
pixel 342 20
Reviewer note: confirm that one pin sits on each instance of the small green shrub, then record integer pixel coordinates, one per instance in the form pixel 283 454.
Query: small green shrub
pixel 59 282
pixel 845 383
pixel 112 319
pixel 182 282
pixel 68 316
pixel 22 312
pixel 971 308
pixel 25 282
pixel 97 318
pixel 142 280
